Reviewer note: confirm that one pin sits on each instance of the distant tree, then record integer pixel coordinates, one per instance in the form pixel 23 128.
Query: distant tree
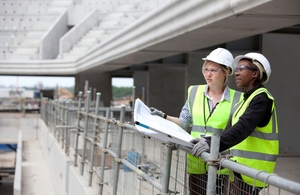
pixel 121 91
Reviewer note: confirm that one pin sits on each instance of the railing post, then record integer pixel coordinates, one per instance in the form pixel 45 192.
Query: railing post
pixel 177 165
pixel 68 122
pixel 57 117
pixel 167 168
pixel 101 176
pixel 63 119
pixel 94 139
pixel 56 112
pixel 212 168
pixel 48 113
pixel 133 96
pixel 86 120
pixel 118 153
pixel 77 129
pixel 51 113
pixel 42 109
pixel 143 94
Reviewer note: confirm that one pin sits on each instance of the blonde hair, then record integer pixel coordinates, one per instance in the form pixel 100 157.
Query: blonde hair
pixel 224 68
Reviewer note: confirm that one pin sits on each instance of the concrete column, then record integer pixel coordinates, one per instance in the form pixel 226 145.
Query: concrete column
pixel 168 84
pixel 140 82
pixel 166 87
pixel 102 83
pixel 194 69
pixel 282 51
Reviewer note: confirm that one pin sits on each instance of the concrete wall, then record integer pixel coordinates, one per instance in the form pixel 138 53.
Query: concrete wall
pixel 194 69
pixel 102 83
pixel 166 84
pixel 57 161
pixel 76 33
pixel 78 184
pixel 66 178
pixel 140 82
pixel 50 41
pixel 283 51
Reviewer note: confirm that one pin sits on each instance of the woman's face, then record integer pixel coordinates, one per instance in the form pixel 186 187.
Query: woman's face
pixel 214 74
pixel 245 74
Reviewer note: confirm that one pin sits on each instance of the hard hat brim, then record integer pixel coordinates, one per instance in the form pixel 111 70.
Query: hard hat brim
pixel 238 58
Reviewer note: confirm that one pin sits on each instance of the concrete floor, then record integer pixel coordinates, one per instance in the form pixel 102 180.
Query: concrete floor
pixel 36 177
pixel 287 167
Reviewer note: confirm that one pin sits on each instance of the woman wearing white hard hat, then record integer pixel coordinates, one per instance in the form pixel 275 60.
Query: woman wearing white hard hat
pixel 253 137
pixel 208 107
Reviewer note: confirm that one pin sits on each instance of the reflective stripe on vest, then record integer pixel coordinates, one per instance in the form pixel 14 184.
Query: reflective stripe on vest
pixel 260 149
pixel 201 128
pixel 216 123
pixel 236 98
pixel 254 155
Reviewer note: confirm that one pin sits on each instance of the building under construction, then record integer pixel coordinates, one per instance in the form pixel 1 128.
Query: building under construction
pixel 83 145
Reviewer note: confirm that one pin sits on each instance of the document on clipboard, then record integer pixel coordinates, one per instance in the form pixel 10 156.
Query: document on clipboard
pixel 158 127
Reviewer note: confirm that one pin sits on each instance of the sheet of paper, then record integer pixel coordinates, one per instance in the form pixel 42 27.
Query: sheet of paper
pixel 157 127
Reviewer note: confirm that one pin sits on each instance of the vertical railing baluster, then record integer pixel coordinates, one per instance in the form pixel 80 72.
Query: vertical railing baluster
pixel 118 152
pixel 86 121
pixel 67 130
pixel 212 169
pixel 54 117
pixel 94 138
pixel 63 119
pixel 105 136
pixel 78 128
pixel 167 168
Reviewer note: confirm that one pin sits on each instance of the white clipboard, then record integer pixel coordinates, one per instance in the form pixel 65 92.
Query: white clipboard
pixel 158 127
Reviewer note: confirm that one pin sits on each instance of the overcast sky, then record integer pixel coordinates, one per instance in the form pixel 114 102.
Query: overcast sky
pixel 122 82
pixel 30 81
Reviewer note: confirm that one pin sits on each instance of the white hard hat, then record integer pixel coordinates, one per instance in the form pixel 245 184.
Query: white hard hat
pixel 255 57
pixel 221 56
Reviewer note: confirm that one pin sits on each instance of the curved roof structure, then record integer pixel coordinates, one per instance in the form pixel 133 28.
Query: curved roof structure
pixel 171 28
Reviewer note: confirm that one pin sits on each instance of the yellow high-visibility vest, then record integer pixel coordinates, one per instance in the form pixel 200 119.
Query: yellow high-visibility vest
pixel 206 123
pixel 260 149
